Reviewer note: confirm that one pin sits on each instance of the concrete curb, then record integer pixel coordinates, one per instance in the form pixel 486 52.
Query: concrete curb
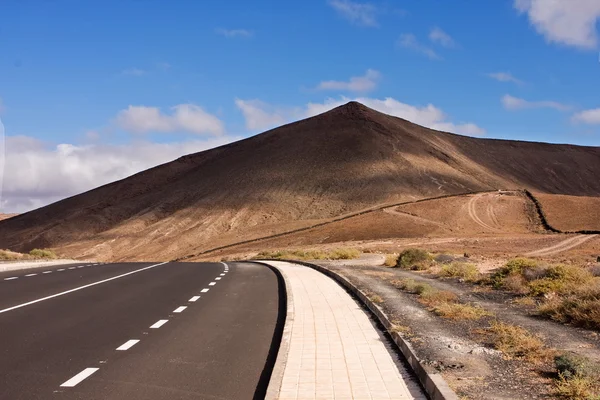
pixel 284 348
pixel 434 384
pixel 19 265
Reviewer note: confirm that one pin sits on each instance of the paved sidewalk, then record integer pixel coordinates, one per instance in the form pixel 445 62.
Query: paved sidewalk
pixel 335 351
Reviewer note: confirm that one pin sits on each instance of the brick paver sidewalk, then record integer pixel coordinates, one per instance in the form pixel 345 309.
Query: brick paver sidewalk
pixel 335 351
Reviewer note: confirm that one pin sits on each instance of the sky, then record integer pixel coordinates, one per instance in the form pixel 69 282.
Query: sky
pixel 94 91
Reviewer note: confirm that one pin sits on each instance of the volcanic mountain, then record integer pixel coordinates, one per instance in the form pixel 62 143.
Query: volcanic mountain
pixel 345 160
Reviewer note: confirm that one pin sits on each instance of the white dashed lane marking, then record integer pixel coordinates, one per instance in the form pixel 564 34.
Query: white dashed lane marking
pixel 159 323
pixel 179 309
pixel 71 267
pixel 204 290
pixel 11 278
pixel 80 287
pixel 128 344
pixel 28 275
pixel 194 299
pixel 74 381
pixel 222 275
pixel 212 284
pixel 218 278
pixel 47 272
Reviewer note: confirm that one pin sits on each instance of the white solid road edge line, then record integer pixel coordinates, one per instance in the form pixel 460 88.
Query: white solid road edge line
pixel 74 381
pixel 128 344
pixel 159 323
pixel 179 309
pixel 80 288
pixel 194 299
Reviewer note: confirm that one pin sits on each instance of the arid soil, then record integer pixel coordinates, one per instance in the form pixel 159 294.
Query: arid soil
pixel 571 213
pixel 346 160
pixel 458 349
pixel 6 216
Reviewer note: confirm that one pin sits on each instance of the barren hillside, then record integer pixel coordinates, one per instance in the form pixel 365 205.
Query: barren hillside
pixel 345 160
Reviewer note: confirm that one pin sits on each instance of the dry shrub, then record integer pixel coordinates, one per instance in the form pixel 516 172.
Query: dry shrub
pixel 434 297
pixel 580 308
pixel 391 260
pixel 337 254
pixel 6 255
pixel 577 388
pixel 514 267
pixel 515 283
pixel 42 253
pixel 516 342
pixel 468 272
pixel 457 311
pixel 415 259
pixel 578 378
pixel 595 270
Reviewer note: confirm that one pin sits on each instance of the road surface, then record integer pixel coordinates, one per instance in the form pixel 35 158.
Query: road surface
pixel 138 331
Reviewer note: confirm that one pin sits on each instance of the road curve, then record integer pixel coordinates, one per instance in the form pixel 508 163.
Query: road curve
pixel 139 331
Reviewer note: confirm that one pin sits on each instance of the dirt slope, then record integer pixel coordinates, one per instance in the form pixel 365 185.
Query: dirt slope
pixel 345 160
pixel 571 213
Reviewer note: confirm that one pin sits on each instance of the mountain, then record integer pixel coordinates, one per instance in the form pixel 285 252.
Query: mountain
pixel 342 161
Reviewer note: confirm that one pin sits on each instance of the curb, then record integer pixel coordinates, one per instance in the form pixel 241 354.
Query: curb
pixel 434 384
pixel 282 355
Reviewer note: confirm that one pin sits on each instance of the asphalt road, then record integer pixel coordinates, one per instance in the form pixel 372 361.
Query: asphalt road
pixel 139 331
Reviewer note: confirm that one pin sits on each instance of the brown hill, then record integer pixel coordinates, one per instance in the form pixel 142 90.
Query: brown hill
pixel 571 213
pixel 347 159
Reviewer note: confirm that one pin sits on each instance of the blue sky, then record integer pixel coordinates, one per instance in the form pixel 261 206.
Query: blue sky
pixel 93 91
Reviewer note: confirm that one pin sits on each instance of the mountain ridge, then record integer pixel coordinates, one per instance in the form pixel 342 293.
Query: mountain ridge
pixel 344 160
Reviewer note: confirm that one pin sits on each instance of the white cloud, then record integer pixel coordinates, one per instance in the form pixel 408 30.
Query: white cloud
pixel 439 36
pixel 184 118
pixel 591 117
pixel 569 22
pixel 37 174
pixel 429 116
pixel 514 103
pixel 409 41
pixel 134 72
pixel 504 77
pixel 355 84
pixel 358 13
pixel 233 33
pixel 260 115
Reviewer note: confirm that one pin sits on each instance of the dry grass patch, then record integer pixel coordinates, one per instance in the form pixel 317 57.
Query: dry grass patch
pixel 43 253
pixel 391 260
pixel 336 254
pixel 415 259
pixel 516 342
pixel 457 311
pixel 464 271
pixel 578 378
pixel 442 302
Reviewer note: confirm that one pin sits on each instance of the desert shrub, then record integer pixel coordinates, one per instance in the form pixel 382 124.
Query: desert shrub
pixel 516 342
pixel 411 286
pixel 457 311
pixel 415 259
pixel 468 272
pixel 531 274
pixel 560 279
pixel 8 255
pixel 391 260
pixel 570 366
pixel 336 254
pixel 435 297
pixel 580 307
pixel 515 283
pixel 42 253
pixel 514 267
pixel 577 388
